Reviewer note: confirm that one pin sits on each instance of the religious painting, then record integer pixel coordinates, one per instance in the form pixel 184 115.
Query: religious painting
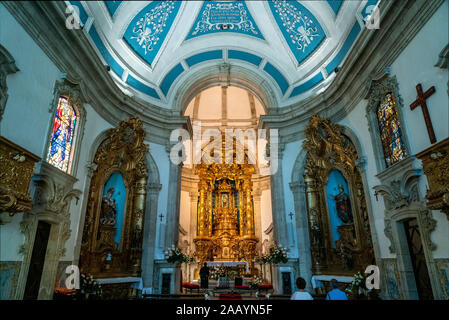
pixel 339 203
pixel 390 131
pixel 60 149
pixel 113 205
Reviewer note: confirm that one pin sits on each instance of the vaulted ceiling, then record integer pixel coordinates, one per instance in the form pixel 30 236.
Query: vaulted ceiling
pixel 152 47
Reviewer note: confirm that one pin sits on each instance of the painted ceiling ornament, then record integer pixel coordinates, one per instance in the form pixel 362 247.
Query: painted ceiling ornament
pixel 148 30
pixel 149 27
pixel 219 16
pixel 300 28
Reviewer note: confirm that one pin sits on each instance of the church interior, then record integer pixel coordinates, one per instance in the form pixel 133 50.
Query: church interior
pixel 213 149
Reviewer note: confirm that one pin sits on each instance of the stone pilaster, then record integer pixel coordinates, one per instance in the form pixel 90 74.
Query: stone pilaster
pixel 278 205
pixel 149 233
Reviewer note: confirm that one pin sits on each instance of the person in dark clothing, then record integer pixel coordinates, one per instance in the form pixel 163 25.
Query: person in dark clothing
pixel 204 275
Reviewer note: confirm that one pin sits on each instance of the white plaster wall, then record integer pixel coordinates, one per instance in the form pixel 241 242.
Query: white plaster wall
pixel 288 161
pixel 26 119
pixel 162 160
pixel 416 65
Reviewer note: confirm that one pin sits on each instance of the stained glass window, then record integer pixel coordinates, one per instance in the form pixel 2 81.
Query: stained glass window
pixel 390 131
pixel 60 149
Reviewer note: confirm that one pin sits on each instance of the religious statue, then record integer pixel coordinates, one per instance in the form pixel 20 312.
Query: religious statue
pixel 343 205
pixel 108 209
pixel 316 233
pixel 224 200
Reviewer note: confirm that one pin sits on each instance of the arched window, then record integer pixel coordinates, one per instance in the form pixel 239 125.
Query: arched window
pixel 390 131
pixel 63 135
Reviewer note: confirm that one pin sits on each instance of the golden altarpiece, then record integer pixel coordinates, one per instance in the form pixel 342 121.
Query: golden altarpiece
pixel 123 152
pixel 225 229
pixel 329 149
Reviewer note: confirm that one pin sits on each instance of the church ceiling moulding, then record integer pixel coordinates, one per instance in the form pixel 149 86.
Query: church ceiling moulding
pixel 328 150
pixel 125 153
pixel 149 28
pixel 224 16
pixel 301 30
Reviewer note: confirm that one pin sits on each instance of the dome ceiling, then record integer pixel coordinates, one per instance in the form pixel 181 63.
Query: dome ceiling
pixel 152 46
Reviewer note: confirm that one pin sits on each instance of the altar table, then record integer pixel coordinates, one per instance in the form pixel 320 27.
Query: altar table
pixel 228 264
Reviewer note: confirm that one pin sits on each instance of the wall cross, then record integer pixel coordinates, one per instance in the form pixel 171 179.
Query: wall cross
pixel 421 101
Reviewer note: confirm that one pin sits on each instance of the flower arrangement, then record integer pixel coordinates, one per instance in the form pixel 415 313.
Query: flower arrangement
pixel 277 255
pixel 89 285
pixel 254 282
pixel 174 255
pixel 358 283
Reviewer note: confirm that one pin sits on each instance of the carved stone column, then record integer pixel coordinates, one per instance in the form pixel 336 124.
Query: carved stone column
pixel 302 232
pixel 278 205
pixel 174 196
pixel 257 194
pixel 149 235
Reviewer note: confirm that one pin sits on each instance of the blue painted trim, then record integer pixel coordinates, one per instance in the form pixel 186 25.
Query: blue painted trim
pixel 309 84
pixel 105 53
pixel 335 5
pixel 204 56
pixel 344 49
pixel 277 76
pixel 170 78
pixel 245 56
pixel 112 6
pixel 369 3
pixel 136 84
pixel 83 13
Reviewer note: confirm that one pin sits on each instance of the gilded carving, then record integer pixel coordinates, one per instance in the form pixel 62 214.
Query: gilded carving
pixel 226 230
pixel 16 171
pixel 123 152
pixel 435 161
pixel 328 149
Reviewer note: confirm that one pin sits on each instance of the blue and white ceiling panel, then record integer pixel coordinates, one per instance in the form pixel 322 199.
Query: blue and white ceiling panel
pixel 224 16
pixel 112 6
pixel 301 30
pixel 148 30
pixel 335 5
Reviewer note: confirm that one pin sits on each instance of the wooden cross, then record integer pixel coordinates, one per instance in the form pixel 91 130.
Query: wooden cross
pixel 421 101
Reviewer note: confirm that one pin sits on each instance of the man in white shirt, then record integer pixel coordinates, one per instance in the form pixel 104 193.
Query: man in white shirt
pixel 301 293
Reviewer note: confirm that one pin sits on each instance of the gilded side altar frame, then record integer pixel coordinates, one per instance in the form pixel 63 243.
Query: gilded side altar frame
pixel 123 152
pixel 328 149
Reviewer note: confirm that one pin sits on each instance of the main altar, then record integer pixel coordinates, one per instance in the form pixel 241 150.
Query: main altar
pixel 225 230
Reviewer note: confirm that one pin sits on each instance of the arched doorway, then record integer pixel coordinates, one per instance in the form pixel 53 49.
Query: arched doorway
pixel 225 206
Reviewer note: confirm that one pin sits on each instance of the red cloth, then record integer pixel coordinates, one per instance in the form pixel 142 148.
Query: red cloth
pixel 266 286
pixel 229 296
pixel 241 287
pixel 189 285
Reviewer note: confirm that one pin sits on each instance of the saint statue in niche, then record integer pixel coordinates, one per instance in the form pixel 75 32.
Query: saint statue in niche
pixel 343 205
pixel 224 200
pixel 108 209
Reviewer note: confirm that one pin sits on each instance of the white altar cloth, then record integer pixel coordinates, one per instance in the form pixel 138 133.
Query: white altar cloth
pixel 136 282
pixel 228 264
pixel 316 280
